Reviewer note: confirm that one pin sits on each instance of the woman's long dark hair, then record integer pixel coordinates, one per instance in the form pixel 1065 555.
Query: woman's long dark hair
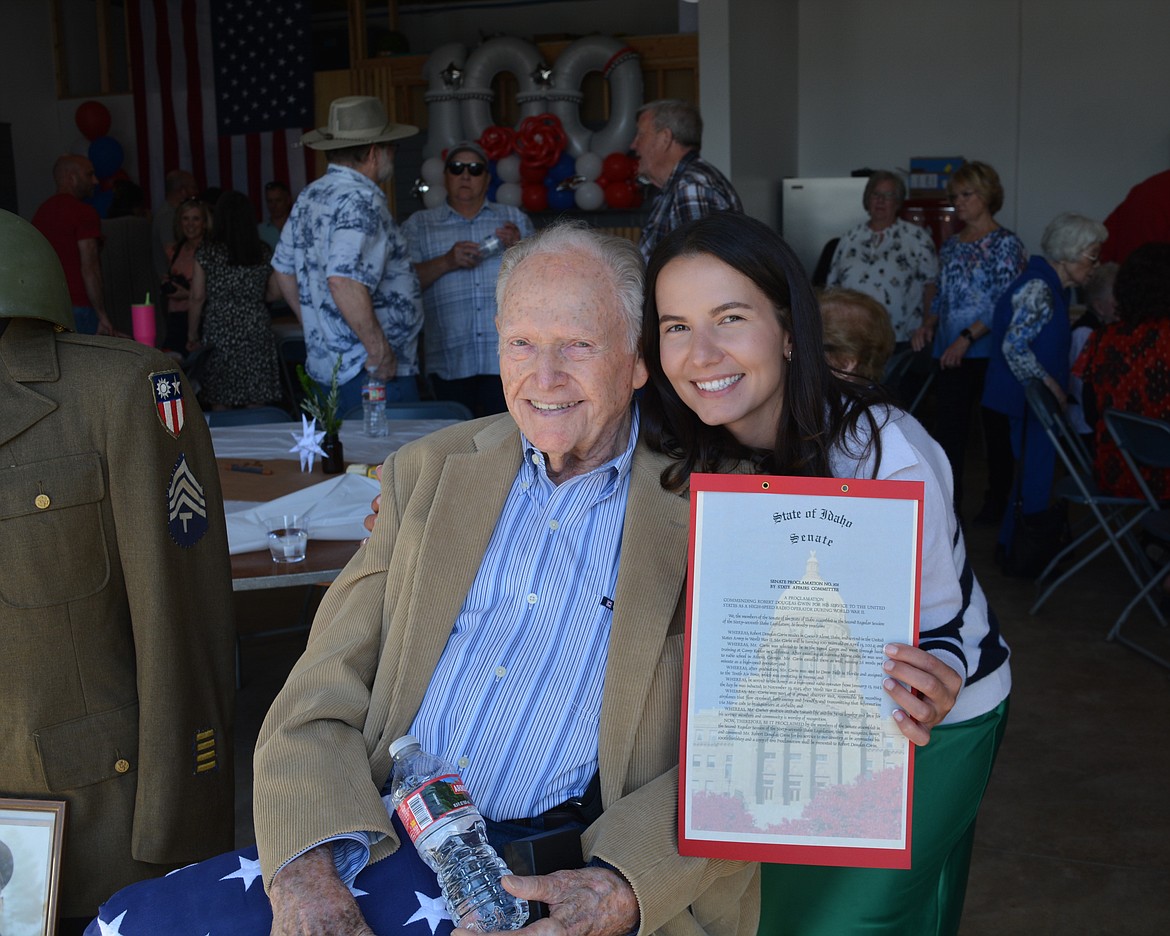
pixel 819 410
pixel 235 227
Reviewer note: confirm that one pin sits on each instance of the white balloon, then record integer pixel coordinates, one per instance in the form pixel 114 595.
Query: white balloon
pixel 589 196
pixel 508 168
pixel 434 196
pixel 589 166
pixel 512 193
pixel 432 171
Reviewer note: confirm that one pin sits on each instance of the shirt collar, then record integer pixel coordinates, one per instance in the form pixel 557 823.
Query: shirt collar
pixel 335 169
pixel 487 208
pixel 688 157
pixel 536 469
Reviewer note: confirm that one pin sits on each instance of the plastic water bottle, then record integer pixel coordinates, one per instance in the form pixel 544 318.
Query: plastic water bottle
pixel 374 407
pixel 449 833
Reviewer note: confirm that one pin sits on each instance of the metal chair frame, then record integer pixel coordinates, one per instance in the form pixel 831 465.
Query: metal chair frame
pixel 1112 518
pixel 1144 442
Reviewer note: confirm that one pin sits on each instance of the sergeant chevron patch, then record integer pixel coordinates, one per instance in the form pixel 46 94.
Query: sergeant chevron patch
pixel 186 505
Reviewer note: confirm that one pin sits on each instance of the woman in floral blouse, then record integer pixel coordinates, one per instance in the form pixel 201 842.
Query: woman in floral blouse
pixel 975 267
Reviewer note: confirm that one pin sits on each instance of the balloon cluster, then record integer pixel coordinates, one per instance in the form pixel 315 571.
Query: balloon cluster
pixel 530 167
pixel 93 120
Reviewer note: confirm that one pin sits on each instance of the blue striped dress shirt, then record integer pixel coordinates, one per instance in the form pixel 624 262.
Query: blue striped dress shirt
pixel 515 700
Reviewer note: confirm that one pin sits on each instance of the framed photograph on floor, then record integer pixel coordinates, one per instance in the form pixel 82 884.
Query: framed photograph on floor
pixel 31 832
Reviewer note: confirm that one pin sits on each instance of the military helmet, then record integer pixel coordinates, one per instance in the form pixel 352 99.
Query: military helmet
pixel 32 281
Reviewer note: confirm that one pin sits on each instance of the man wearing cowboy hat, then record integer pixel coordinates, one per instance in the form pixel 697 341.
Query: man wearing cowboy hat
pixel 343 265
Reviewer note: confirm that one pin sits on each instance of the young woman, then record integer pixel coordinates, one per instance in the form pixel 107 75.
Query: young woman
pixel 738 380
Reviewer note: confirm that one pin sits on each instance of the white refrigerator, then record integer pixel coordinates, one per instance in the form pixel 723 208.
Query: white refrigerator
pixel 813 211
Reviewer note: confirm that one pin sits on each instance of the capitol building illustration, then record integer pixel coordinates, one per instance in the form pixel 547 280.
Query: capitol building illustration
pixel 797 721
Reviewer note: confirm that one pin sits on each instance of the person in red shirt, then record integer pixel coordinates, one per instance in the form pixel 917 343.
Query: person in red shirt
pixel 75 229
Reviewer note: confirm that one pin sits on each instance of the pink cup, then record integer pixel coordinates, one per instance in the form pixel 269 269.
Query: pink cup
pixel 145 329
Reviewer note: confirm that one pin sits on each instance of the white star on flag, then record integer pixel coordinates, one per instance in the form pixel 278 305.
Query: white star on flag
pixel 431 909
pixel 113 928
pixel 249 871
pixel 309 443
pixel 358 893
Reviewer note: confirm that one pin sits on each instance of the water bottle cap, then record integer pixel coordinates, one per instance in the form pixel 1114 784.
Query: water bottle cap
pixel 402 745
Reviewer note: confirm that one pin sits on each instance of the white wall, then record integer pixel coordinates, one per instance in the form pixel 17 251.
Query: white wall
pixel 42 127
pixel 1068 99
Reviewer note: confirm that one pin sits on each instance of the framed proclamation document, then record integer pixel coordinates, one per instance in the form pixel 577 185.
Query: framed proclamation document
pixel 789 751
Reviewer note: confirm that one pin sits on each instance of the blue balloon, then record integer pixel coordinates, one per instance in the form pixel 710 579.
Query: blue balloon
pixel 561 199
pixel 494 172
pixel 106 155
pixel 565 167
pixel 101 199
pixel 493 187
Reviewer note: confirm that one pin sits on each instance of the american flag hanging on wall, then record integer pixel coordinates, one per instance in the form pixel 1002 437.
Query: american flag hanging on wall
pixel 223 88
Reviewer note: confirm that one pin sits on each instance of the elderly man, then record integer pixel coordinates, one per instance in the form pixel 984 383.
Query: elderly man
pixel 458 280
pixel 519 609
pixel 342 263
pixel 667 144
pixel 115 596
pixel 75 231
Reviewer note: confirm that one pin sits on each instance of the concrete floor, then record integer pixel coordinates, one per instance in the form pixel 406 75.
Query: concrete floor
pixel 1074 834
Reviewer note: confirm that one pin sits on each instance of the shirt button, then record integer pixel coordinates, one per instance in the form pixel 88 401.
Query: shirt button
pixel 531 599
pixel 463 762
pixel 536 459
pixel 501 672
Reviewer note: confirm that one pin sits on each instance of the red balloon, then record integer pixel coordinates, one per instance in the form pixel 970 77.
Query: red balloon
pixel 93 119
pixel 534 196
pixel 620 194
pixel 532 173
pixel 617 167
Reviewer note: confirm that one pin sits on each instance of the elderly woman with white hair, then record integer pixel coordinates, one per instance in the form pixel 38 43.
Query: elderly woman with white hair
pixel 1031 335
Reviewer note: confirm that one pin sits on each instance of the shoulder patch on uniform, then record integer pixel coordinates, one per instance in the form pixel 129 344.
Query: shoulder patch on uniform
pixel 186 505
pixel 168 399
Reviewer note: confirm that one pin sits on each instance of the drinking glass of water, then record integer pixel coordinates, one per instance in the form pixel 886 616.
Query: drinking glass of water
pixel 288 535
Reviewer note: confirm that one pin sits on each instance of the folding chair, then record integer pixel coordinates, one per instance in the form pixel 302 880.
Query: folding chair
pixel 897 368
pixel 1144 443
pixel 1112 519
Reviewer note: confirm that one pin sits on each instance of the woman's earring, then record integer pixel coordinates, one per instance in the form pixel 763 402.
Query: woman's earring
pixel 788 355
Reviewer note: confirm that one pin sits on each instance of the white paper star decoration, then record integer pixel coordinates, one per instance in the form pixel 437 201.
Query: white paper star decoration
pixel 308 443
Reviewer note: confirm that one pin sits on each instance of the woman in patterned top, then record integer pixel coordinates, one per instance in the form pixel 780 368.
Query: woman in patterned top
pixel 975 267
pixel 232 281
pixel 1126 365
pixel 888 258
pixel 1030 341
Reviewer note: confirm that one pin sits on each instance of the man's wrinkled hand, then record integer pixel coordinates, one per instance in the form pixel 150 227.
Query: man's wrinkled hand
pixel 308 899
pixel 586 902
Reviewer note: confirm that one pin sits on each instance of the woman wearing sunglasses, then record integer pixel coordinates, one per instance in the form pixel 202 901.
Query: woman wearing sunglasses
pixel 456 248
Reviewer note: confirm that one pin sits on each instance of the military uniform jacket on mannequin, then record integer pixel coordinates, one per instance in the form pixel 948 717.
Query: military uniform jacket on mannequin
pixel 115 607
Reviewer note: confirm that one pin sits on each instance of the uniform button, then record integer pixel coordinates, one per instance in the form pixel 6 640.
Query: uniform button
pixel 501 672
pixel 554 524
pixel 42 501
pixel 536 459
pixel 463 762
pixel 121 765
pixel 531 599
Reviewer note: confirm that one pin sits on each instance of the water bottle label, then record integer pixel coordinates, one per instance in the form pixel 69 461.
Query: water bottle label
pixel 375 393
pixel 437 799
